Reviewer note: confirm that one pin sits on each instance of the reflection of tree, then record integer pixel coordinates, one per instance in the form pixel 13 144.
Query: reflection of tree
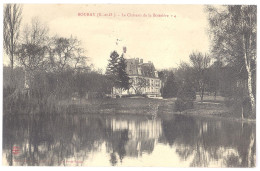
pixel 206 141
pixel 46 139
pixel 113 159
pixel 232 160
pixel 180 128
pixel 184 152
pixel 251 148
pixel 118 141
pixel 50 140
pixel 147 146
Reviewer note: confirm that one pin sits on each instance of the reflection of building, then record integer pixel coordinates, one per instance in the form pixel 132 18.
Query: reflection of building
pixel 142 135
pixel 144 78
pixel 147 129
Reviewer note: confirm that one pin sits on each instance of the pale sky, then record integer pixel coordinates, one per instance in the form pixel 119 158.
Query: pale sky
pixel 164 41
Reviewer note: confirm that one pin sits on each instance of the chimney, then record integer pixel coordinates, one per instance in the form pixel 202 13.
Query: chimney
pixel 156 74
pixel 137 60
pixel 149 62
pixel 141 61
pixel 124 49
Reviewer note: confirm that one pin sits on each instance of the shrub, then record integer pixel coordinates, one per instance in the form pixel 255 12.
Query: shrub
pixel 187 93
pixel 181 105
pixel 240 107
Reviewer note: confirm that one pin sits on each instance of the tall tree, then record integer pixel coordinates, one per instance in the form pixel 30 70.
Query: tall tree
pixel 233 30
pixel 12 22
pixel 200 65
pixel 122 74
pixel 66 53
pixel 215 77
pixel 35 32
pixel 186 82
pixel 32 52
pixel 112 68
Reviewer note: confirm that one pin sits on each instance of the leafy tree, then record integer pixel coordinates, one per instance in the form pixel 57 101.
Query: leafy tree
pixel 163 75
pixel 32 51
pixel 200 64
pixel 215 77
pixel 66 53
pixel 186 92
pixel 186 87
pixel 12 22
pixel 185 77
pixel 170 88
pixel 138 83
pixel 233 31
pixel 186 95
pixel 32 56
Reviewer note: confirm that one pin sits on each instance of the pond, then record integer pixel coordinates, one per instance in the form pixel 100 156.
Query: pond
pixel 127 140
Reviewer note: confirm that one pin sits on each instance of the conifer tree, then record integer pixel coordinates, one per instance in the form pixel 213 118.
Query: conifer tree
pixel 170 88
pixel 116 71
pixel 112 68
pixel 122 75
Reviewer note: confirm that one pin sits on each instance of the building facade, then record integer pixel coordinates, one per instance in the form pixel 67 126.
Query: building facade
pixel 144 79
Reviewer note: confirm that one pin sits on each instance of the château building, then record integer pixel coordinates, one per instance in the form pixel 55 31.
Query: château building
pixel 143 78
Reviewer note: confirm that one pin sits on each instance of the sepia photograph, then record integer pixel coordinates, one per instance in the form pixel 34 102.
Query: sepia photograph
pixel 140 85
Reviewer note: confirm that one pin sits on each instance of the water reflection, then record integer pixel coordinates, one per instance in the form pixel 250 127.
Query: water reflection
pixel 123 140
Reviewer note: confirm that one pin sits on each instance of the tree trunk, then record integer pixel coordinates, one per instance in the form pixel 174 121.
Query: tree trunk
pixel 202 93
pixel 12 70
pixel 250 92
pixel 249 78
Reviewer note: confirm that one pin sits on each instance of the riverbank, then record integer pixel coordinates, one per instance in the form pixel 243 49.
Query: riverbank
pixel 152 107
pixel 142 106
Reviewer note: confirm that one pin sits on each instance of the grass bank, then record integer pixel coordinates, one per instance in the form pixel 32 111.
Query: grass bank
pixel 209 107
pixel 214 107
pixel 140 106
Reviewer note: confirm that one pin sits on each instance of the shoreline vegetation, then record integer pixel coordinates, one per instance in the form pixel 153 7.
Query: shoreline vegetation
pixel 208 108
pixel 154 108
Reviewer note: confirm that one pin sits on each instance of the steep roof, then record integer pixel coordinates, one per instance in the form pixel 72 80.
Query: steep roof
pixel 136 67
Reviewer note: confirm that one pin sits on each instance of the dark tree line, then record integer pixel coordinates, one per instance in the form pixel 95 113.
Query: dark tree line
pixel 50 68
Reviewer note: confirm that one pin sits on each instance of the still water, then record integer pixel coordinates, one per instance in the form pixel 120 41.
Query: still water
pixel 127 140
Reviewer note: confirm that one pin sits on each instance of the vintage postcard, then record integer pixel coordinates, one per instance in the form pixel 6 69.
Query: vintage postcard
pixel 129 85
